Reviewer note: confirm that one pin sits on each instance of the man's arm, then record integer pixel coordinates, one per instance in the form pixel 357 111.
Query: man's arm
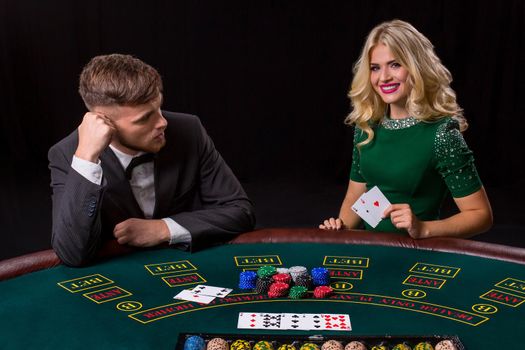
pixel 76 231
pixel 226 211
pixel 76 201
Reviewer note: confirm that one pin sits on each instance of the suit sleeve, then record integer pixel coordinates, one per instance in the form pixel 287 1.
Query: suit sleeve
pixel 226 210
pixel 76 229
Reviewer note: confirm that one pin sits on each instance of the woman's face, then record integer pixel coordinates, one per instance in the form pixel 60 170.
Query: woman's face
pixel 389 80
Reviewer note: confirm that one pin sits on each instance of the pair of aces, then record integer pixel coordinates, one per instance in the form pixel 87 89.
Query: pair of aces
pixel 371 206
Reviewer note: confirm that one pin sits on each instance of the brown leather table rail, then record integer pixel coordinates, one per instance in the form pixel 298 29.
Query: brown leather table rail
pixel 46 259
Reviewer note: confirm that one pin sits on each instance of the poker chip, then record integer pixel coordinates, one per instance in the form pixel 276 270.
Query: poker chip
pixel 304 281
pixel 322 292
pixel 401 346
pixel 240 344
pixel 282 277
pixel 217 344
pixel 194 343
pixel 247 280
pixel 424 346
pixel 283 270
pixel 297 292
pixel 266 271
pixel 355 345
pixel 296 271
pixel 320 276
pixel 309 346
pixel 263 345
pixel 278 289
pixel 332 345
pixel 262 285
pixel 286 347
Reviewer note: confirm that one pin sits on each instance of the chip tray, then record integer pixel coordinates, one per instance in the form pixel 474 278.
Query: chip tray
pixel 297 340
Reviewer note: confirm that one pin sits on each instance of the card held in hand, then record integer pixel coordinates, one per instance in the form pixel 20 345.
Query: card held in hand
pixel 371 206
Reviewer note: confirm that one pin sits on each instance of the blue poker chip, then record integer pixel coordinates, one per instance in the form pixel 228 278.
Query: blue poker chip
pixel 320 276
pixel 247 280
pixel 194 343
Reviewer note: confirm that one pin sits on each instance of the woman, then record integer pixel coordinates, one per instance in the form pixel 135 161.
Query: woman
pixel 408 140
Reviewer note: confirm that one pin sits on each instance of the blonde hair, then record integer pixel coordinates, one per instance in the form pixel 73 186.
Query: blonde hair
pixel 430 98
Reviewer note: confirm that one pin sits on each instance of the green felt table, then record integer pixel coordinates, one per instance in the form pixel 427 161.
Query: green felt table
pixel 127 301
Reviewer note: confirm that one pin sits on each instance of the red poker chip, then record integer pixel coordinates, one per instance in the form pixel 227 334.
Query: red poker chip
pixel 322 292
pixel 279 287
pixel 282 277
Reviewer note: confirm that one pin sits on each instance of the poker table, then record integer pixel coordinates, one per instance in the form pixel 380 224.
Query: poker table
pixel 389 284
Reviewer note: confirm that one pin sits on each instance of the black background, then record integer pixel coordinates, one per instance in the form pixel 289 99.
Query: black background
pixel 269 81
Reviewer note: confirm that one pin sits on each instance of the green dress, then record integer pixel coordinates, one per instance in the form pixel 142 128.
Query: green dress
pixel 415 162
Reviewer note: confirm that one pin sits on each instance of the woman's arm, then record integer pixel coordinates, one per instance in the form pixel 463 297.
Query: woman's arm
pixel 475 216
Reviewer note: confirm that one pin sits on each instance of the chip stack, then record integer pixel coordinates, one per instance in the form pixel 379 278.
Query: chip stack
pixel 297 292
pixel 322 292
pixel 304 281
pixel 287 347
pixel 266 271
pixel 278 289
pixel 309 346
pixel 247 280
pixel 296 271
pixel 282 277
pixel 283 270
pixel 240 344
pixel 194 343
pixel 263 345
pixel 262 285
pixel 217 344
pixel 320 276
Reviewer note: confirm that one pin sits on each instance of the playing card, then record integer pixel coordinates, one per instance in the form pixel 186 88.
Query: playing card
pixel 336 322
pixel 371 205
pixel 361 209
pixel 190 296
pixel 259 320
pixel 376 202
pixel 293 322
pixel 211 291
pixel 312 321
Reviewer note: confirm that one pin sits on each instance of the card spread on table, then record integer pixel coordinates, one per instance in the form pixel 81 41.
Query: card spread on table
pixel 291 321
pixel 371 206
pixel 203 294
pixel 211 291
pixel 190 296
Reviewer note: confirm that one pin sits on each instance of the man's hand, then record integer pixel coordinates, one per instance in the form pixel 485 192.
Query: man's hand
pixel 142 232
pixel 94 135
pixel 402 217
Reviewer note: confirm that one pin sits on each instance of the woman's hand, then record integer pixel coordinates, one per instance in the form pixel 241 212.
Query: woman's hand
pixel 332 224
pixel 402 217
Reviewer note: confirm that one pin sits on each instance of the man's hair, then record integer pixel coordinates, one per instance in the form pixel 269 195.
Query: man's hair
pixel 118 80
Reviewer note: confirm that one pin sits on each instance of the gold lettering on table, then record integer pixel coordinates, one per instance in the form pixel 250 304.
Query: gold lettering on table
pixel 257 260
pixel 436 270
pixel 84 283
pixel 512 284
pixel 346 261
pixel 170 267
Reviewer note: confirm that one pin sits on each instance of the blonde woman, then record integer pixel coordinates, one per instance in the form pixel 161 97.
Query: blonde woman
pixel 408 140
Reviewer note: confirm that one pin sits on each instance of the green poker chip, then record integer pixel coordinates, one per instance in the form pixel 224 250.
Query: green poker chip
pixel 266 271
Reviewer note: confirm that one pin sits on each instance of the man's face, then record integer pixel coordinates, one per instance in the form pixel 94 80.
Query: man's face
pixel 138 128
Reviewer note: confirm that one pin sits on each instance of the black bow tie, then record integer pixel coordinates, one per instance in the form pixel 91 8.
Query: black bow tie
pixel 144 158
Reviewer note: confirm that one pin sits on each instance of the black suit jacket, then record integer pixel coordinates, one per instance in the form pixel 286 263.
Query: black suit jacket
pixel 193 186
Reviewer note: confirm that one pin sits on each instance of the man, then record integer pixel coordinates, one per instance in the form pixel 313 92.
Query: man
pixel 180 191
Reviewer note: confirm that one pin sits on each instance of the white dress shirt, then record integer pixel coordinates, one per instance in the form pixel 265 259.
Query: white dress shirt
pixel 142 184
